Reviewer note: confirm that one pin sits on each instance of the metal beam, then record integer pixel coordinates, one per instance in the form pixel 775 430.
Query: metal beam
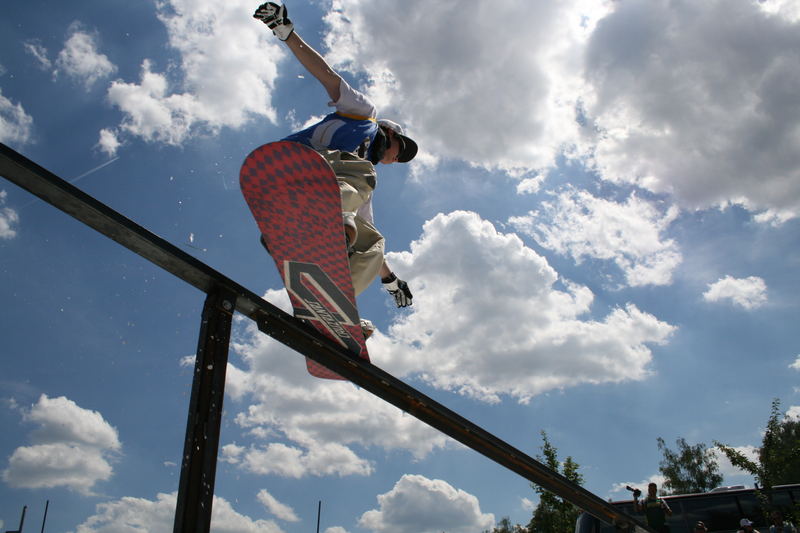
pixel 199 463
pixel 293 333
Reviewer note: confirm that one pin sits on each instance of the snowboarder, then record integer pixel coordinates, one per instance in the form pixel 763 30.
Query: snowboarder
pixel 352 140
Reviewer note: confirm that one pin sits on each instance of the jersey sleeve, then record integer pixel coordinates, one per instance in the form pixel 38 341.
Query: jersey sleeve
pixel 353 102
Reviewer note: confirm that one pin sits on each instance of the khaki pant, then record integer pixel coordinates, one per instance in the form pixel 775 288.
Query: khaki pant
pixel 357 180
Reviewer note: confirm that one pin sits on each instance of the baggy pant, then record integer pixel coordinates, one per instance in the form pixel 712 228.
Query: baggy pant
pixel 357 180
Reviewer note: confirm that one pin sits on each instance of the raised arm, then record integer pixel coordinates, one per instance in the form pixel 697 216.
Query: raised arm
pixel 276 17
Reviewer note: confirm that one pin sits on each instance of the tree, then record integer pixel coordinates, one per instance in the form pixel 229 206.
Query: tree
pixel 554 514
pixel 688 470
pixel 779 455
pixel 504 526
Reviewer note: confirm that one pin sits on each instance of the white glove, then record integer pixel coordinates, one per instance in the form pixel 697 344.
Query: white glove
pixel 277 18
pixel 399 289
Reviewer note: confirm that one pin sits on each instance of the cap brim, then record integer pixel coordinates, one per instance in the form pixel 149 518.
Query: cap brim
pixel 408 149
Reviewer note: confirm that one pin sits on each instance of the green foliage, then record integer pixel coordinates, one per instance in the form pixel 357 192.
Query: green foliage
pixel 778 458
pixel 779 455
pixel 554 514
pixel 504 526
pixel 689 469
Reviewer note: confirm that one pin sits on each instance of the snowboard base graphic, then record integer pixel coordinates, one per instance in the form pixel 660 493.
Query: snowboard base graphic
pixel 294 197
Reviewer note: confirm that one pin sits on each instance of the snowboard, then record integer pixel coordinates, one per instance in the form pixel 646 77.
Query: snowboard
pixel 294 197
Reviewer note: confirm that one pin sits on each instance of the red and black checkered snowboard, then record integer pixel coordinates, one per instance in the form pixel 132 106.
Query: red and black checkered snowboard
pixel 294 197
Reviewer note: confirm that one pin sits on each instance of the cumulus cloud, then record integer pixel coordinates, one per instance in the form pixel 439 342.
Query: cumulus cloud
pixel 61 420
pixel 530 185
pixel 699 100
pixel 317 458
pixel 70 448
pixel 486 327
pixel 134 515
pixel 8 219
pixel 280 510
pixel 796 364
pixel 518 332
pixel 108 142
pixel 227 72
pixel 727 469
pixel 231 453
pixel 79 59
pixel 502 99
pixel 749 293
pixel 303 426
pixel 16 126
pixel 417 504
pixel 786 9
pixel 631 234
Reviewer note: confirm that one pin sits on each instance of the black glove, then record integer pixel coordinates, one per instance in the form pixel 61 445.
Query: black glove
pixel 277 18
pixel 399 289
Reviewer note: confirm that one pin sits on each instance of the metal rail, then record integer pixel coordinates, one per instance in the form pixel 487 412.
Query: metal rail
pixel 293 333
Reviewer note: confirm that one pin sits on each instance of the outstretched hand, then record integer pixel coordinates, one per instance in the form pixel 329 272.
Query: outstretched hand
pixel 277 18
pixel 399 290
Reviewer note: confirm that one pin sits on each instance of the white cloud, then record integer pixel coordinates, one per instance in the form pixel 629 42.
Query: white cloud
pixel 489 320
pixel 8 219
pixel 138 515
pixel 528 504
pixel 231 453
pixel 227 70
pixel 729 471
pixel 318 458
pixel 70 448
pixel 789 10
pixel 750 292
pixel 108 143
pixel 61 420
pixel 513 333
pixel 57 465
pixel 417 504
pixel 39 53
pixel 793 413
pixel 699 100
pixel 796 364
pixel 530 185
pixel 80 59
pixel 16 125
pixel 280 510
pixel 502 96
pixel 622 493
pixel 310 426
pixel 630 234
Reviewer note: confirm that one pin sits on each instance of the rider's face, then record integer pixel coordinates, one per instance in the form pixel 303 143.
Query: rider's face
pixel 391 153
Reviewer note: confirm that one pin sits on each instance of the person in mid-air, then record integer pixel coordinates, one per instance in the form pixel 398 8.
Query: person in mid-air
pixel 353 140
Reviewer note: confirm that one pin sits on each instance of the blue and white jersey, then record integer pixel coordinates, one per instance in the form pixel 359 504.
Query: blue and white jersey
pixel 353 123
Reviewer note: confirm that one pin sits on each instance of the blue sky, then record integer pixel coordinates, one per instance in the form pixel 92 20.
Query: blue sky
pixel 601 231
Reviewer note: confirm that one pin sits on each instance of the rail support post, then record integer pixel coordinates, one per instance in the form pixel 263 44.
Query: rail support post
pixel 199 463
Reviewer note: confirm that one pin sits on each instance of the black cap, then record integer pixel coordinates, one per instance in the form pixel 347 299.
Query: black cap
pixel 408 148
